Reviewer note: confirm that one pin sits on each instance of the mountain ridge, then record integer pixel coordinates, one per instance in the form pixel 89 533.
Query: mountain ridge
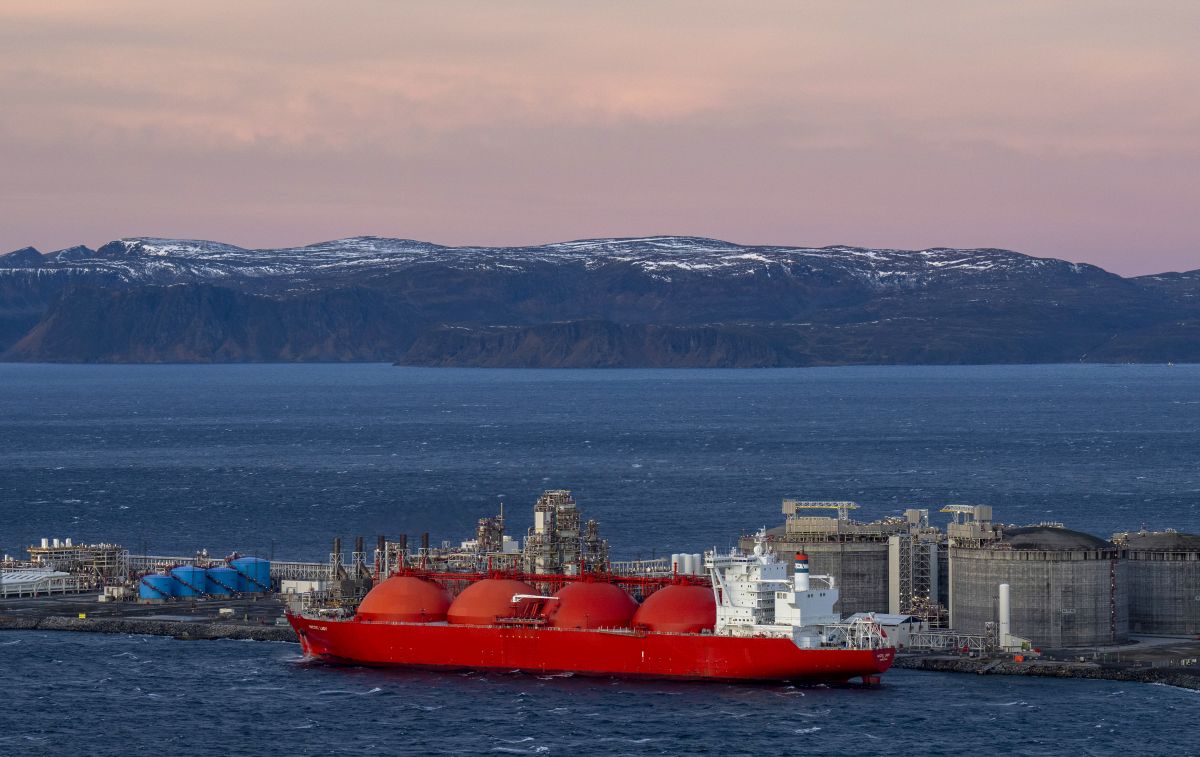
pixel 661 300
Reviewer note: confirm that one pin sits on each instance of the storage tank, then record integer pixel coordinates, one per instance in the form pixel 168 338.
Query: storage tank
pixel 1164 582
pixel 189 581
pixel 407 599
pixel 591 604
pixel 1068 589
pixel 156 587
pixel 483 601
pixel 221 581
pixel 678 609
pixel 254 574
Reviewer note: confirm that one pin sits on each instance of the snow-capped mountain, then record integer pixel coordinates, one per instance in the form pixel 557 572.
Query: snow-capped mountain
pixel 154 260
pixel 669 301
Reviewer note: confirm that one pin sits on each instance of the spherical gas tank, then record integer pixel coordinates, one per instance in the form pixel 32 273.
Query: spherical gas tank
pixel 588 604
pixel 484 601
pixel 189 581
pixel 406 599
pixel 221 581
pixel 678 609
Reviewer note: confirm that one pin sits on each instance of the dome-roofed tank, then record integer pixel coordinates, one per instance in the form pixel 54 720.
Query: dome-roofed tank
pixel 1050 538
pixel 221 580
pixel 407 599
pixel 156 586
pixel 1066 588
pixel 1164 571
pixel 678 608
pixel 254 574
pixel 483 601
pixel 1163 541
pixel 591 604
pixel 189 581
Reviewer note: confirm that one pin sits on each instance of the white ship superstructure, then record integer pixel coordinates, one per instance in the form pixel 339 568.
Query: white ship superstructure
pixel 755 597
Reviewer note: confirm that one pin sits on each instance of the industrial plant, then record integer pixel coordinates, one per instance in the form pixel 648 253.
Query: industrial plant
pixel 975 584
pixel 1066 588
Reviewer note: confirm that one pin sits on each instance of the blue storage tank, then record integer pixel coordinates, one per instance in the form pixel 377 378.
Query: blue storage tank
pixel 254 572
pixel 221 581
pixel 189 581
pixel 156 586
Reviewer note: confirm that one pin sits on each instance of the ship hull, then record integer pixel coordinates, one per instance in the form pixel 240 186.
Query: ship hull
pixel 585 652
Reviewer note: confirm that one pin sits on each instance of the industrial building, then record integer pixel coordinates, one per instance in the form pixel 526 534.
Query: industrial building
pixel 100 561
pixel 556 543
pixel 1163 569
pixel 1064 588
pixel 1068 589
pixel 897 564
pixel 39 583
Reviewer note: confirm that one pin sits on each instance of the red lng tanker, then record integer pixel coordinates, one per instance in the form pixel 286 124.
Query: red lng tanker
pixel 747 622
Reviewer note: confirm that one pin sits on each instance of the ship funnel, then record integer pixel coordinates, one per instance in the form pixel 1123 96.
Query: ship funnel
pixel 801 577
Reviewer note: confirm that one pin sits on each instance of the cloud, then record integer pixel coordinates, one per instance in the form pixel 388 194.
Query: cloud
pixel 1058 128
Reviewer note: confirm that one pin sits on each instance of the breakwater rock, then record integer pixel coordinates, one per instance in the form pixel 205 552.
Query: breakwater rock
pixel 1170 676
pixel 185 630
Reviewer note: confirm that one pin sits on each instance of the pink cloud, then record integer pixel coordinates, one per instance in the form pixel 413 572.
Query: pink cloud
pixel 1064 129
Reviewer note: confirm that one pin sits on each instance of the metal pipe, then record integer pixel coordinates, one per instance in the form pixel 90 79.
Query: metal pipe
pixel 1005 610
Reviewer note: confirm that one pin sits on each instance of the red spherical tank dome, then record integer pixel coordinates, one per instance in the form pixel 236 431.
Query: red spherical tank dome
pixel 407 599
pixel 484 601
pixel 587 604
pixel 678 609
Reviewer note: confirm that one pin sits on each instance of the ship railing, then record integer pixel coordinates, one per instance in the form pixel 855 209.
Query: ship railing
pixel 657 567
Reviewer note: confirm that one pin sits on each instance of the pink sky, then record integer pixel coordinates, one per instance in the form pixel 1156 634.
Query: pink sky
pixel 1055 128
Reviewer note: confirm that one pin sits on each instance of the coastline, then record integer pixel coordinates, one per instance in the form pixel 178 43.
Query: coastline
pixel 184 630
pixel 189 630
pixel 1167 676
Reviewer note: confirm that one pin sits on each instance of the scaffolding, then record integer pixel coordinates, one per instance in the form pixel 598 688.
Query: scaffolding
pixel 951 641
pixel 790 506
pixel 555 543
pixel 913 570
pixel 95 560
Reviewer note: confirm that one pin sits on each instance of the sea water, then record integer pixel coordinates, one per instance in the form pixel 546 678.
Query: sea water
pixel 276 459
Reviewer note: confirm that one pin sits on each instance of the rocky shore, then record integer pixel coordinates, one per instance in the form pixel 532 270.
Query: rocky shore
pixel 178 629
pixel 1186 678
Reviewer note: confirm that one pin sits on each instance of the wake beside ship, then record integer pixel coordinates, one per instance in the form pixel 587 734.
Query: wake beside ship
pixel 745 620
